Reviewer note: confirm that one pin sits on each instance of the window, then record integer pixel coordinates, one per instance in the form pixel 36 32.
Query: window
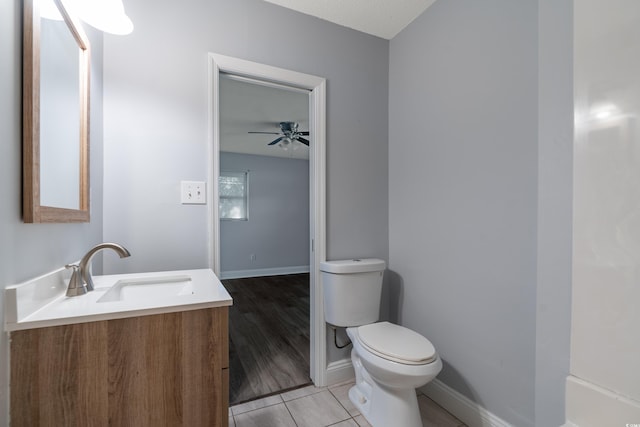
pixel 233 195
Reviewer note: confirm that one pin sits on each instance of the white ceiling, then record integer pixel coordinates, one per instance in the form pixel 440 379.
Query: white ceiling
pixel 250 106
pixel 382 18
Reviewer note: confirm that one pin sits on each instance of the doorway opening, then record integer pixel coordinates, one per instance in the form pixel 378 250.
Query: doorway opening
pixel 289 141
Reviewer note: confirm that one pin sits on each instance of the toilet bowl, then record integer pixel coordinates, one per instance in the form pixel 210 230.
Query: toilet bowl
pixel 385 383
pixel 390 361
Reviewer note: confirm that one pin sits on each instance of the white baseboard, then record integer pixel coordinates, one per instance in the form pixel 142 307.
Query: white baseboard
pixel 467 411
pixel 461 406
pixel 590 405
pixel 275 271
pixel 340 371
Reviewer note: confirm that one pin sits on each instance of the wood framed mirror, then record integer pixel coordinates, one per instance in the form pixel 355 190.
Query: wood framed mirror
pixel 56 58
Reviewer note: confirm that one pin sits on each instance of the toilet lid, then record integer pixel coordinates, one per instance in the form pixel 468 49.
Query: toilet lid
pixel 397 343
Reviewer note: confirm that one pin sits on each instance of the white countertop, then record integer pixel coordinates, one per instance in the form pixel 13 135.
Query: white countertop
pixel 42 301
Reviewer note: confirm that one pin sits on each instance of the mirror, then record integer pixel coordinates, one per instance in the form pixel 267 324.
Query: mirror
pixel 56 60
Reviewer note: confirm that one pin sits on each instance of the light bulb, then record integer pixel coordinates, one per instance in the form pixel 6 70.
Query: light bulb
pixel 105 15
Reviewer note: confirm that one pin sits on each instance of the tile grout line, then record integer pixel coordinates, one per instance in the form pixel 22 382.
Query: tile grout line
pixel 351 417
pixel 262 407
pixel 289 411
pixel 320 390
pixel 345 409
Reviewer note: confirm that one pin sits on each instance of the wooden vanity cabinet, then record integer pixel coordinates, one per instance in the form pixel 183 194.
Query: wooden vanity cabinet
pixel 159 370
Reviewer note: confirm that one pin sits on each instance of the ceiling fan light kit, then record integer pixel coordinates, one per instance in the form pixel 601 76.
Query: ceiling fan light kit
pixel 286 143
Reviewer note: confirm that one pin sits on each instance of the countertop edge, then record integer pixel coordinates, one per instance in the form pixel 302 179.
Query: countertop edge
pixel 12 327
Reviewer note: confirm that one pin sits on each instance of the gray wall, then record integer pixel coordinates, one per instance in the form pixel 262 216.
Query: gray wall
pixel 277 231
pixel 29 250
pixel 481 255
pixel 463 194
pixel 156 122
pixel 555 198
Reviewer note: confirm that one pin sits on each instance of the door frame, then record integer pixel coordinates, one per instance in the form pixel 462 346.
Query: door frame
pixel 317 179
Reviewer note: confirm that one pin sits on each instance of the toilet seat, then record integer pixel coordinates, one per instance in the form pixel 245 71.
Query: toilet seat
pixel 396 343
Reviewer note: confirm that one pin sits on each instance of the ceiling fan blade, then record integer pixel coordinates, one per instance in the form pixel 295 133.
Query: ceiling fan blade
pixel 303 133
pixel 276 141
pixel 266 133
pixel 303 140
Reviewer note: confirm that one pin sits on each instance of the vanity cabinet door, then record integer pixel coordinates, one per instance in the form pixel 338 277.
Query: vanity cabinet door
pixel 160 370
pixel 59 375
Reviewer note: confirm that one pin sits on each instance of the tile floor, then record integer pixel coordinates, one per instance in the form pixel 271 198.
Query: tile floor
pixel 321 407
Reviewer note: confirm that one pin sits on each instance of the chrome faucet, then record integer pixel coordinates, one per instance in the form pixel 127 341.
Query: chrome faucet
pixel 81 281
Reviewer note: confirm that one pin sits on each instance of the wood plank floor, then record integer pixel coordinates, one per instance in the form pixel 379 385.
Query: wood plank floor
pixel 268 335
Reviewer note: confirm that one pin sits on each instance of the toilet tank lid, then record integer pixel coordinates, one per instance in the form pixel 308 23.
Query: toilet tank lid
pixel 346 266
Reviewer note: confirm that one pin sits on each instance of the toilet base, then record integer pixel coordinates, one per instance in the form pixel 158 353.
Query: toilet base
pixel 383 406
pixel 389 408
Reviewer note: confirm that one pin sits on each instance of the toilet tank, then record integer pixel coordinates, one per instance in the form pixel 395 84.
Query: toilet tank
pixel 352 290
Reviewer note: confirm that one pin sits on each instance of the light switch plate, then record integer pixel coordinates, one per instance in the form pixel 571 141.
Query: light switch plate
pixel 193 192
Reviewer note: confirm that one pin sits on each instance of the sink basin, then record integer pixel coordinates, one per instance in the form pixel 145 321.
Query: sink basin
pixel 146 288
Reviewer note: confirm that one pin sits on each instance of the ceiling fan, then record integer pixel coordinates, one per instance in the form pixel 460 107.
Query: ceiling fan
pixel 288 134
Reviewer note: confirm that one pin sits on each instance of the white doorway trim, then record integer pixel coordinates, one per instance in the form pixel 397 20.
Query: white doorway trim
pixel 317 191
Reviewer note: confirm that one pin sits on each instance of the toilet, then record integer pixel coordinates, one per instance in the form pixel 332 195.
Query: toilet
pixel 390 361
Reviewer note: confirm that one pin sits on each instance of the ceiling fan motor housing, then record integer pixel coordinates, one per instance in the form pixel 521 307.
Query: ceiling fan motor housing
pixel 290 127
